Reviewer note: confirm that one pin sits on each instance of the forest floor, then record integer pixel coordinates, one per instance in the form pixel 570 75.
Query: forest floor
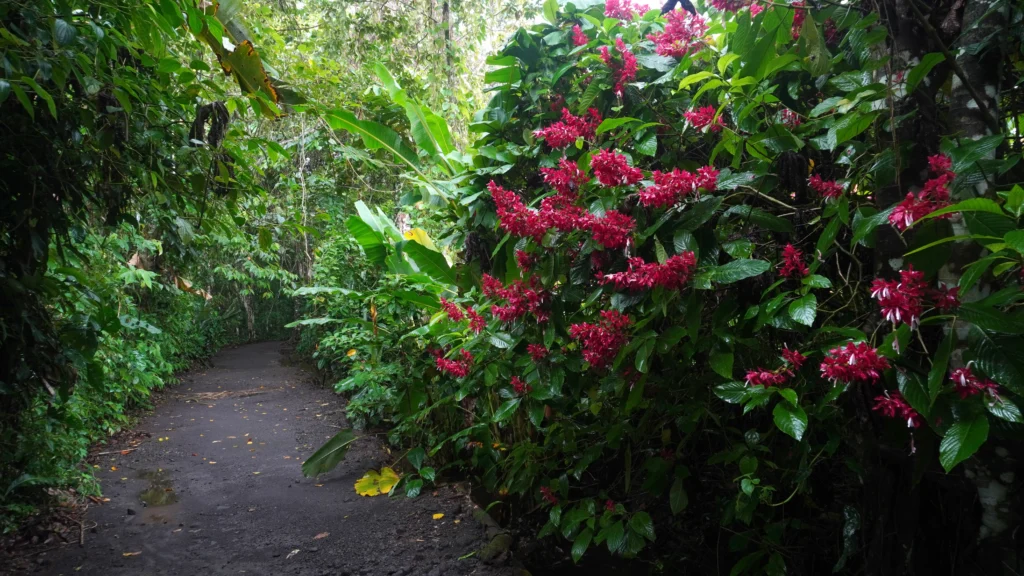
pixel 215 487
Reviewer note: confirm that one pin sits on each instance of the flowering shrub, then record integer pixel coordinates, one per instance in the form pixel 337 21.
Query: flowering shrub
pixel 710 327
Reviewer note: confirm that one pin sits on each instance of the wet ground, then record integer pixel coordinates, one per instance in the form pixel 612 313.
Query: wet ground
pixel 216 488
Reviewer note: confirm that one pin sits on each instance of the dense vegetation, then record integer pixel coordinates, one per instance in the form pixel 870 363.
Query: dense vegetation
pixel 732 287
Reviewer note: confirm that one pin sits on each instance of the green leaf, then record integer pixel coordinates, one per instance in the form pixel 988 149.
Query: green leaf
pixel 582 542
pixel 913 390
pixel 1014 199
pixel 375 136
pixel 677 498
pixel 648 144
pixel 761 218
pixel 370 240
pixel 329 455
pixel 615 536
pixel 816 281
pixel 1005 410
pixel 732 392
pixel 804 310
pixel 430 262
pixel 969 205
pixel 918 73
pixel 551 14
pixel 990 318
pixel 999 357
pixel 642 524
pixel 940 363
pixel 864 226
pixel 695 77
pixel 506 410
pixel 1015 240
pixel 962 440
pixel 739 270
pixel 416 456
pixel 699 213
pixel 792 420
pixel 428 301
pixel 722 364
pixel 790 396
pixel 612 123
pixel 5 90
pixel 64 32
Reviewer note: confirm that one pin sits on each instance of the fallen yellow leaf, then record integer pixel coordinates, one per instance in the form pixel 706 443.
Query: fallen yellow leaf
pixel 127 554
pixel 438 516
pixel 374 483
pixel 113 468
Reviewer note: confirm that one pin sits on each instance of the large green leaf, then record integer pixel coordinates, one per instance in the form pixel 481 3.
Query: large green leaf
pixel 990 318
pixel 430 262
pixel 739 270
pixel 939 364
pixel 999 358
pixel 369 239
pixel 962 440
pixel 792 420
pixel 804 309
pixel 913 390
pixel 330 454
pixel 375 136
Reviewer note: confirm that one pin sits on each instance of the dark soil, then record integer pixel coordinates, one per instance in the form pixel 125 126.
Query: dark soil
pixel 216 488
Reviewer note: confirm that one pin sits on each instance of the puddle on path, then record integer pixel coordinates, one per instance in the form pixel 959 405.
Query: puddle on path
pixel 159 492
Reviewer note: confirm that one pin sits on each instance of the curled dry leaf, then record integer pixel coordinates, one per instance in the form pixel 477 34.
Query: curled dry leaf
pixel 321 535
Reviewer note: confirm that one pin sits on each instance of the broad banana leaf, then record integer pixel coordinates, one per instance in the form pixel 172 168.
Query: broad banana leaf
pixel 429 131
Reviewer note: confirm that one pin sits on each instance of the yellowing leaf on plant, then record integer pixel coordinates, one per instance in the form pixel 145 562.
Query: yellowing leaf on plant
pixel 374 483
pixel 438 516
pixel 420 236
pixel 351 353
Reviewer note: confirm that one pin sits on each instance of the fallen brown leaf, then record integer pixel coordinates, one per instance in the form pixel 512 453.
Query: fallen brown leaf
pixel 321 535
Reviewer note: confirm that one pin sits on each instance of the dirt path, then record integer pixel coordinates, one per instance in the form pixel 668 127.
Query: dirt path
pixel 217 489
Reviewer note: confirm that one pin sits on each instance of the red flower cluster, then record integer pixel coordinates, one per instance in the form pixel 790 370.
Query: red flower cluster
pixel 537 351
pixel 765 378
pixel 578 37
pixel 525 260
pixel 457 368
pixel 621 9
pixel 454 312
pixel 548 494
pixel 520 386
pixel 625 72
pixel 565 132
pixel 515 217
pixel 933 196
pixel 566 179
pixel 683 34
pixel 519 299
pixel 831 32
pixel 671 187
pixel 613 231
pixel 704 118
pixel 612 169
pixel 672 275
pixel 799 13
pixel 602 341
pixel 892 405
pixel 829 189
pixel 609 505
pixel 755 9
pixel 853 363
pixel 945 298
pixel 967 384
pixel 476 320
pixel 793 263
pixel 729 5
pixel 901 301
pixel 790 119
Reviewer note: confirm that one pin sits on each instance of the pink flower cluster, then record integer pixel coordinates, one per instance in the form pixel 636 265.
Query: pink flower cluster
pixel 967 384
pixel 476 321
pixel 612 169
pixel 902 301
pixel 683 34
pixel 455 313
pixel 613 231
pixel 671 187
pixel 565 132
pixel 624 72
pixel 578 37
pixel 537 351
pixel 520 386
pixel 793 265
pixel 790 119
pixel 704 118
pixel 519 299
pixel 933 196
pixel 457 368
pixel 755 9
pixel 525 260
pixel 621 9
pixel 672 275
pixel 548 494
pixel 729 5
pixel 566 179
pixel 794 360
pixel 853 363
pixel 799 13
pixel 828 189
pixel 601 342
pixel 893 405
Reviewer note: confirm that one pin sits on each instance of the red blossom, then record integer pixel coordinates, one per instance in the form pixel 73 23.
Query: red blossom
pixel 672 275
pixel 910 210
pixel 519 299
pixel 799 13
pixel 765 378
pixel 454 312
pixel 828 189
pixel 729 5
pixel 933 196
pixel 520 386
pixel 548 494
pixel 578 37
pixel 612 169
pixel 457 368
pixel 967 384
pixel 564 133
pixel 613 231
pixel 492 287
pixel 621 9
pixel 566 179
pixel 892 405
pixel 853 363
pixel 609 505
pixel 793 265
pixel 793 357
pixel 624 72
pixel 704 118
pixel 476 320
pixel 903 301
pixel 514 217
pixel 684 33
pixel 831 32
pixel 602 341
pixel 537 351
pixel 671 187
pixel 755 9
pixel 940 164
pixel 790 119
pixel 945 298
pixel 525 260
